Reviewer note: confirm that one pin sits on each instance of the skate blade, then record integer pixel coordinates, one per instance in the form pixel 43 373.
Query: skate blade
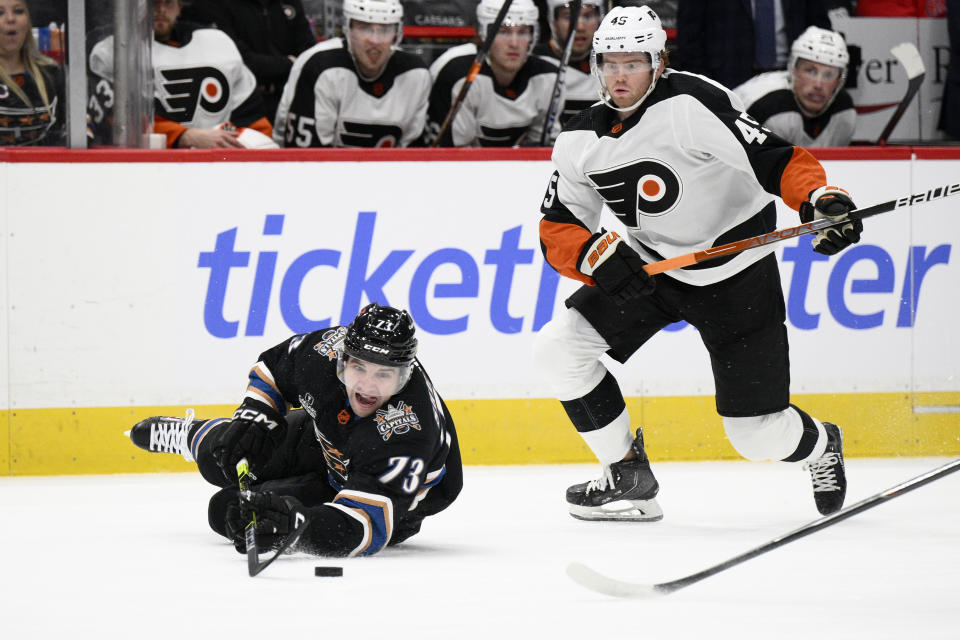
pixel 621 510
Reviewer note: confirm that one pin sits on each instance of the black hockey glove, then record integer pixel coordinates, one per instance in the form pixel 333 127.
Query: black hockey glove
pixel 833 203
pixel 253 434
pixel 615 267
pixel 277 517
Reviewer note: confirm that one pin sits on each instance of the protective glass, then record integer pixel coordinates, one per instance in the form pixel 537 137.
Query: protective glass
pixel 371 379
pixel 518 33
pixel 588 13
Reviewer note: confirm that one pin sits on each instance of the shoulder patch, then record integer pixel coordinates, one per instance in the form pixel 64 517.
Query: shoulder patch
pixel 396 419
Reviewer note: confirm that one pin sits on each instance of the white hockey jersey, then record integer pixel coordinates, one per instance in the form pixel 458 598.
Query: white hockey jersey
pixel 326 103
pixel 198 84
pixel 490 115
pixel 770 100
pixel 689 170
pixel 581 88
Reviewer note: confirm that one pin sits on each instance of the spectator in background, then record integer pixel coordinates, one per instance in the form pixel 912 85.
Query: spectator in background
pixel 507 104
pixel 204 96
pixel 806 104
pixel 950 108
pixel 270 34
pixel 721 39
pixel 31 84
pixel 356 91
pixel 581 88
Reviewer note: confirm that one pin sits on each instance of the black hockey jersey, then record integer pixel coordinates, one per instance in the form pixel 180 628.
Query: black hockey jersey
pixel 33 124
pixel 490 115
pixel 687 171
pixel 770 100
pixel 326 103
pixel 390 469
pixel 581 88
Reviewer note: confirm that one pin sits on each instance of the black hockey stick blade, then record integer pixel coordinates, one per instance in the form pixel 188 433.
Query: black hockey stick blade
pixel 554 108
pixel 909 58
pixel 595 581
pixel 473 71
pixel 712 253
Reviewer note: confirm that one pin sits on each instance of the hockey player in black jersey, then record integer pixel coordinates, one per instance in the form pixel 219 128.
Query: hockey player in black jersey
pixel 509 99
pixel 357 91
pixel 369 454
pixel 580 85
pixel 673 156
pixel 806 104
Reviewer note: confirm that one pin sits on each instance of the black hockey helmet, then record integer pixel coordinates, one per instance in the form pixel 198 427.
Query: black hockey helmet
pixel 382 335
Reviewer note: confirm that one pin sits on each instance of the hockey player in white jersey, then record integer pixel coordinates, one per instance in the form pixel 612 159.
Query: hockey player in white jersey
pixel 357 91
pixel 806 104
pixel 580 84
pixel 675 159
pixel 508 102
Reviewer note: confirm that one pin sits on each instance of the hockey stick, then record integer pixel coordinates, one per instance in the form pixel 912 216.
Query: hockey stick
pixel 909 58
pixel 554 108
pixel 600 583
pixel 474 70
pixel 254 564
pixel 792 232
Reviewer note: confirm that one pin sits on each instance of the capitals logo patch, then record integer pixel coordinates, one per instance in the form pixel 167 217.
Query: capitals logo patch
pixel 396 419
pixel 331 342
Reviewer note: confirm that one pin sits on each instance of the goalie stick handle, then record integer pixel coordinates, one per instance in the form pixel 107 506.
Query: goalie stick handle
pixel 816 525
pixel 575 7
pixel 731 248
pixel 474 70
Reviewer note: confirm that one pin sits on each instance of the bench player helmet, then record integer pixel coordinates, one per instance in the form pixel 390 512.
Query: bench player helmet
pixel 823 46
pixel 553 5
pixel 628 30
pixel 375 11
pixel 381 335
pixel 522 13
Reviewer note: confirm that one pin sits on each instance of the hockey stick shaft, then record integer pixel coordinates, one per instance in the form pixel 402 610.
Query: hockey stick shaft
pixel 779 235
pixel 254 564
pixel 554 109
pixel 473 71
pixel 908 56
pixel 597 582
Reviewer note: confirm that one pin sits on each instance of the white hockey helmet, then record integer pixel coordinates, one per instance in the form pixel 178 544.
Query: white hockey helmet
pixel 628 30
pixel 520 13
pixel 553 5
pixel 375 11
pixel 823 46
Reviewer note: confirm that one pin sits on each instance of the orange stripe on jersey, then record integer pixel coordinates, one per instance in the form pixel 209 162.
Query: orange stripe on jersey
pixel 802 175
pixel 263 126
pixel 563 243
pixel 173 130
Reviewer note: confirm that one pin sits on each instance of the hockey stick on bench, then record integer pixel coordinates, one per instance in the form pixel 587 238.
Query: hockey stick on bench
pixel 473 71
pixel 254 564
pixel 587 577
pixel 558 84
pixel 731 248
pixel 909 58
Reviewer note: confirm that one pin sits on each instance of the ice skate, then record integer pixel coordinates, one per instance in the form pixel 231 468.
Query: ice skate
pixel 827 473
pixel 625 491
pixel 164 434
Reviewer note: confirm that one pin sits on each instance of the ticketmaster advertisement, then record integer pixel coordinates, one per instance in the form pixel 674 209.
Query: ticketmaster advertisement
pixel 138 287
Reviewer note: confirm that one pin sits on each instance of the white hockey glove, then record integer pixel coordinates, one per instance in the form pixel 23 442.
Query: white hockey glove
pixel 833 203
pixel 615 267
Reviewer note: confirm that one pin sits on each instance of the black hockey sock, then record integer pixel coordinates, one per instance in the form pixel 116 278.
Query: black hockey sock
pixel 598 408
pixel 808 440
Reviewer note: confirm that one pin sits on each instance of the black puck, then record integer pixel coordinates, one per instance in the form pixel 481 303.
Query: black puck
pixel 328 572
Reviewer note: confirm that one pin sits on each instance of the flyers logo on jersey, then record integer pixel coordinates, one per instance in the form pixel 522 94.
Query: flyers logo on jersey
pixel 184 90
pixel 646 187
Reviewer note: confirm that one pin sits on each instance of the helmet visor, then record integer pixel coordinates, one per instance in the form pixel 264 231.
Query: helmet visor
pixel 371 379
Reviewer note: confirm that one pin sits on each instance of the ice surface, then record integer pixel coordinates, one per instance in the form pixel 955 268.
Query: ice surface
pixel 131 556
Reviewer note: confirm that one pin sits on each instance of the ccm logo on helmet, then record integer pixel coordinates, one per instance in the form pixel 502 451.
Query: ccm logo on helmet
pixel 375 349
pixel 647 187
